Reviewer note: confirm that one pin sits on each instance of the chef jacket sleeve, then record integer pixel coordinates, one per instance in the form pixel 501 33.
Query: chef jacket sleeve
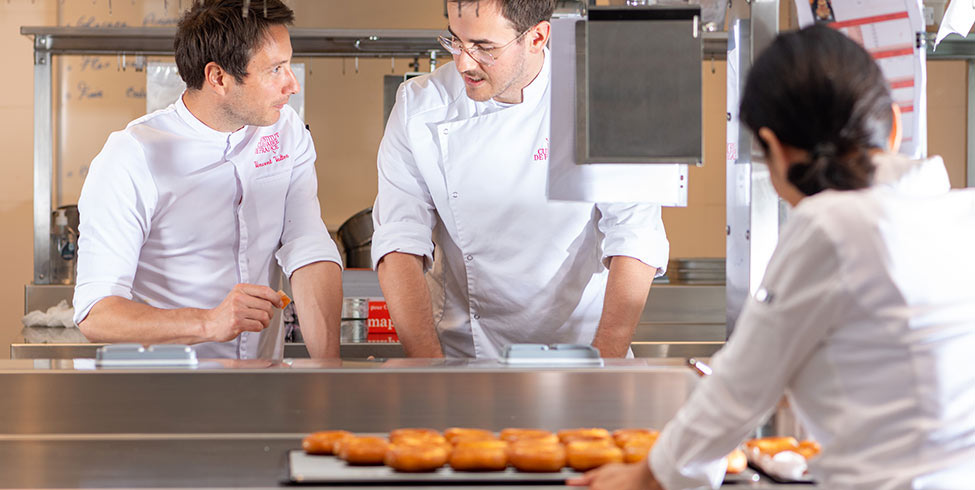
pixel 116 205
pixel 304 238
pixel 801 297
pixel 403 215
pixel 634 230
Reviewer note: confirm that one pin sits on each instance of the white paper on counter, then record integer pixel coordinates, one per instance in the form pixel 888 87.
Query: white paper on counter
pixel 958 19
pixel 888 29
pixel 664 184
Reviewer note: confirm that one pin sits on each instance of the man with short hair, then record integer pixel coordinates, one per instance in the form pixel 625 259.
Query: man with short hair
pixel 184 210
pixel 462 198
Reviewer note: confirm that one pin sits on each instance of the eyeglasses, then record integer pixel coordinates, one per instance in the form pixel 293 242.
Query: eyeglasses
pixel 477 53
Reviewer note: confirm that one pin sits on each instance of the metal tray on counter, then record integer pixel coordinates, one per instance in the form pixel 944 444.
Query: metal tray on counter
pixel 305 469
pixel 329 470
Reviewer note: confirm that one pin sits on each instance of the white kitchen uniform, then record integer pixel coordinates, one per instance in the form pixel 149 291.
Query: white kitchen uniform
pixel 175 214
pixel 510 266
pixel 866 317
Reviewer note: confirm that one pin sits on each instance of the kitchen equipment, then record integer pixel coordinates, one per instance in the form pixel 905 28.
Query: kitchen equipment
pixel 359 257
pixel 355 315
pixel 136 355
pixel 698 270
pixel 355 235
pixel 64 244
pixel 557 354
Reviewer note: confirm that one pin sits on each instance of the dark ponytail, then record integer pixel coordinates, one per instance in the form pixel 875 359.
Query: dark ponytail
pixel 819 91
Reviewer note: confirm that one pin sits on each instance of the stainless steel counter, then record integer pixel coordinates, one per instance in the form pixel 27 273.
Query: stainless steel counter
pixel 65 424
pixel 361 350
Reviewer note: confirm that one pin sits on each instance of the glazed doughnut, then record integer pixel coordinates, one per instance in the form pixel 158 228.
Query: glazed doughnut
pixel 586 455
pixel 537 456
pixel 643 437
pixel 808 449
pixel 323 442
pixel 634 453
pixel 512 435
pixel 455 435
pixel 737 462
pixel 364 450
pixel 399 435
pixel 479 456
pixel 773 445
pixel 414 458
pixel 570 435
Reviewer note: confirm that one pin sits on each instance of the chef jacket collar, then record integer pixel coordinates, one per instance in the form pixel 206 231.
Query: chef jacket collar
pixel 198 126
pixel 926 177
pixel 535 90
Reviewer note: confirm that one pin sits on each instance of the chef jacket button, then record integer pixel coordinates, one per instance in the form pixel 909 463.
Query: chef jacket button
pixel 476 316
pixel 444 131
pixel 454 195
pixel 470 258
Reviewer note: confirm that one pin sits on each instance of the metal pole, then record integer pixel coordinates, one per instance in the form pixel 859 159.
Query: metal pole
pixel 43 159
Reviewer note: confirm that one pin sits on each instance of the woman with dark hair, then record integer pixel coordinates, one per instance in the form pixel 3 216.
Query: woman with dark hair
pixel 865 318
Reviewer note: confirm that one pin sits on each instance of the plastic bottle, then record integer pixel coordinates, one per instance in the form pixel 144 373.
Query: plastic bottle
pixel 64 250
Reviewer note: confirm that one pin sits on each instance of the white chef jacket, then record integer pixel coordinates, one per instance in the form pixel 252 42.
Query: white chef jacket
pixel 866 317
pixel 174 214
pixel 510 266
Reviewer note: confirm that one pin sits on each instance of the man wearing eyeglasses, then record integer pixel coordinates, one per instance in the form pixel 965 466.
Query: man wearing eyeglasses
pixel 462 197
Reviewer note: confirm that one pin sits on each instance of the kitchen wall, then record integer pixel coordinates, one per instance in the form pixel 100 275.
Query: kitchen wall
pixel 343 110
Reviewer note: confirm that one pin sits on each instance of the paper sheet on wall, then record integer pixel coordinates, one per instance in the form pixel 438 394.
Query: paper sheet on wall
pixel 888 29
pixel 959 19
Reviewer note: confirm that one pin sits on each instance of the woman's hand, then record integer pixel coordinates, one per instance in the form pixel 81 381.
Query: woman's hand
pixel 636 476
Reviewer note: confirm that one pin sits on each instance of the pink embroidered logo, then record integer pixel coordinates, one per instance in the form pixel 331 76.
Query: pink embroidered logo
pixel 267 144
pixel 541 153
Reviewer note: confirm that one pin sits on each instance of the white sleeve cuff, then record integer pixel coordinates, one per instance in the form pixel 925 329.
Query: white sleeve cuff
pixel 403 237
pixel 87 294
pixel 306 250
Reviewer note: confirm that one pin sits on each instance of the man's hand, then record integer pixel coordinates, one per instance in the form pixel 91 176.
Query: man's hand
pixel 247 308
pixel 636 476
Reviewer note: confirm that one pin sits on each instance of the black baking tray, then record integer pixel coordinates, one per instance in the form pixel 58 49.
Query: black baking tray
pixel 305 469
pixel 805 480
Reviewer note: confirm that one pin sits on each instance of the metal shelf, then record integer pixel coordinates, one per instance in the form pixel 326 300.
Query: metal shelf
pixel 158 41
pixel 951 48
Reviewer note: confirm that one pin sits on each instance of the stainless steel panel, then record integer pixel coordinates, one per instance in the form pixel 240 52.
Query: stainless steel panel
pixel 296 401
pixel 678 303
pixel 621 53
pixel 663 333
pixel 752 209
pixel 675 349
pixel 43 296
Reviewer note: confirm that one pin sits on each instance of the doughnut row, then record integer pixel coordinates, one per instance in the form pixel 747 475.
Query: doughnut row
pixel 468 449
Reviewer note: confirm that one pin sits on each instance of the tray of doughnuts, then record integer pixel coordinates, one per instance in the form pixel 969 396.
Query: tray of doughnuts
pixel 781 459
pixel 469 456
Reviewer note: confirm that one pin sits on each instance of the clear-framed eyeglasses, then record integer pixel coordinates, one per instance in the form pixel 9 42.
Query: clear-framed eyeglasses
pixel 486 57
